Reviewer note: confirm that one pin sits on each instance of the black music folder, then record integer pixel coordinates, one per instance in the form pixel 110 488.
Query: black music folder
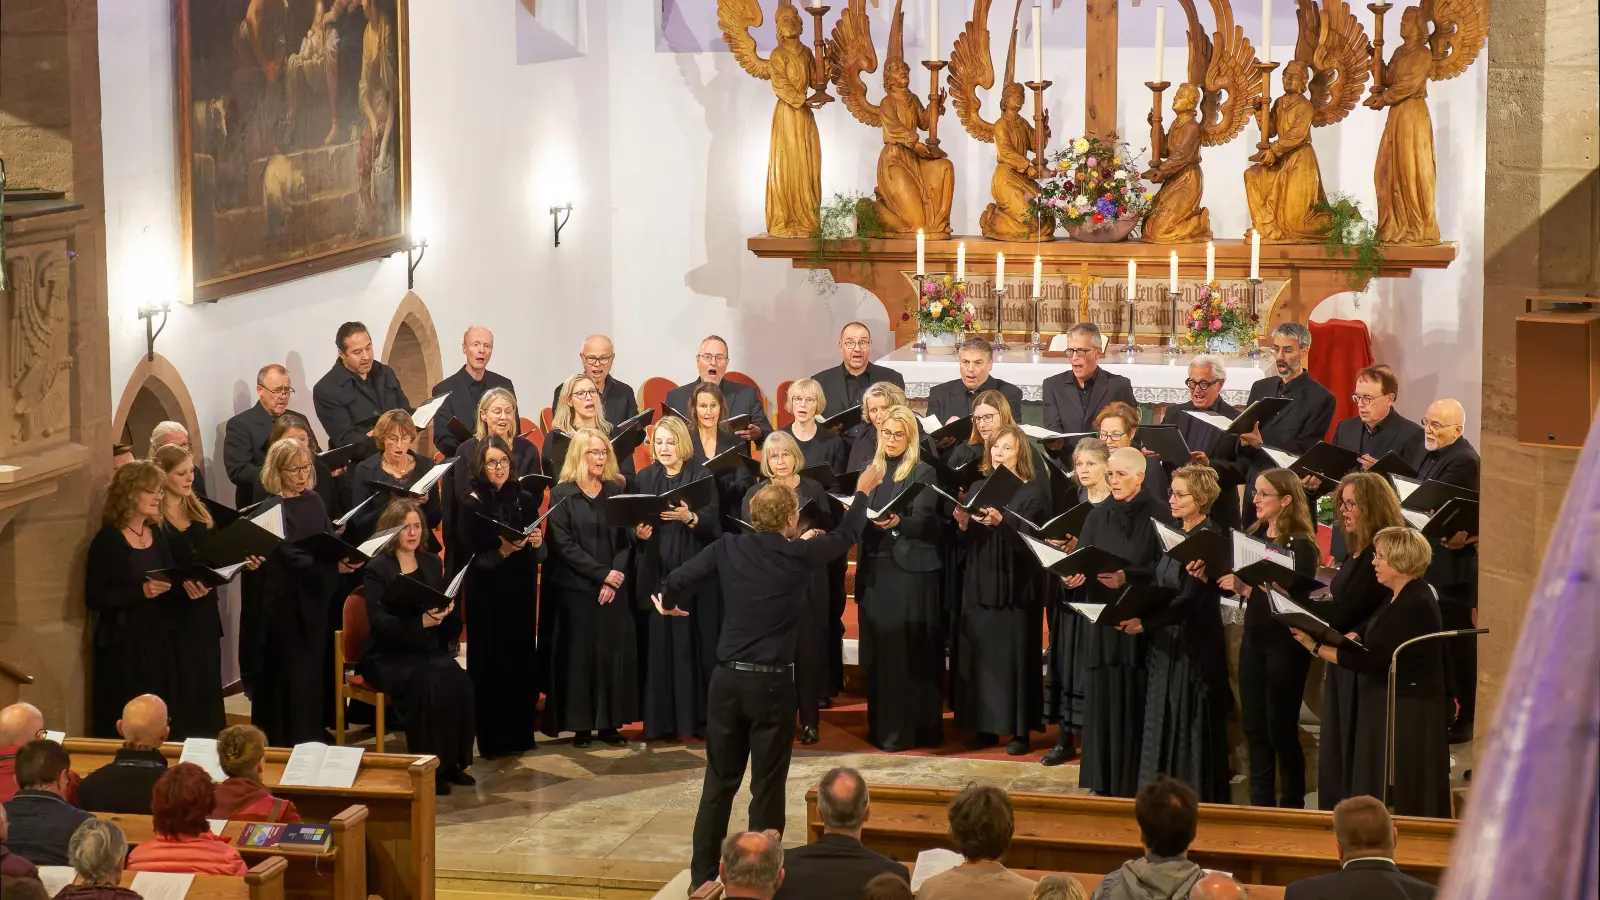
pixel 1456 515
pixel 1166 442
pixel 411 594
pixel 211 578
pixel 629 434
pixel 459 430
pixel 1203 544
pixel 1326 461
pixel 221 516
pixel 844 420
pixel 235 542
pixel 1391 464
pixel 667 411
pixel 995 493
pixel 1130 604
pixel 628 510
pixel 734 458
pixel 1059 528
pixel 339 457
pixel 896 504
pixel 735 423
pixel 1429 495
pixel 1260 412
pixel 1086 561
pixel 822 474
pixel 536 483
pixel 516 534
pixel 960 428
pixel 955 479
pixel 556 444
pixel 1258 564
pixel 1294 615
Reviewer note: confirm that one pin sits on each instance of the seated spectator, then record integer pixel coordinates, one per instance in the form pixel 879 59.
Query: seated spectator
pixel 1167 812
pixel 96 851
pixel 887 886
pixel 1217 886
pixel 42 819
pixel 242 750
pixel 838 864
pixel 1366 837
pixel 19 724
pixel 1059 887
pixel 184 842
pixel 124 785
pixel 752 865
pixel 21 887
pixel 12 865
pixel 981 822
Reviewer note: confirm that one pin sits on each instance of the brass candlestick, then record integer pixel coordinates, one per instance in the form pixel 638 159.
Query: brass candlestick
pixel 1255 339
pixel 1133 324
pixel 1172 340
pixel 934 66
pixel 1037 345
pixel 1378 9
pixel 1264 108
pixel 1156 134
pixel 1000 318
pixel 819 61
pixel 1041 120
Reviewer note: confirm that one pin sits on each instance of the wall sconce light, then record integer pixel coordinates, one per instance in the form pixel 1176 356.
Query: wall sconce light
pixel 559 219
pixel 148 313
pixel 414 255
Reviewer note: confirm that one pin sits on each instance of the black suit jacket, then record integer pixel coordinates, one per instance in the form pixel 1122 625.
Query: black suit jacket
pixel 617 401
pixel 1295 430
pixel 244 449
pixel 342 399
pixel 742 398
pixel 465 392
pixel 1395 433
pixel 41 825
pixel 124 786
pixel 842 392
pixel 1454 573
pixel 1361 879
pixel 835 866
pixel 953 399
pixel 1064 410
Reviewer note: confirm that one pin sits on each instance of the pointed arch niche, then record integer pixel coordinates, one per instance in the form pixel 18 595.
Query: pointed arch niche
pixel 411 348
pixel 155 393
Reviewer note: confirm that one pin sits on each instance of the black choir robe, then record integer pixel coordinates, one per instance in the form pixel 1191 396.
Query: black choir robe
pixel 1295 430
pixel 244 449
pixel 413 664
pixel 500 599
pixel 1222 452
pixel 1454 574
pixel 457 484
pixel 342 398
pixel 731 483
pixel 1354 596
pixel 462 404
pixel 135 647
pixel 682 651
pixel 951 399
pixel 364 524
pixel 194 706
pixel 842 390
pixel 832 449
pixel 594 678
pixel 1071 409
pixel 616 400
pixel 1272 679
pixel 825 447
pixel 740 399
pixel 1065 675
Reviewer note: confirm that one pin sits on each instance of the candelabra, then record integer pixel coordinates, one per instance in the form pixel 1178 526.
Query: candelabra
pixel 1378 73
pixel 1156 135
pixel 1037 345
pixel 1255 339
pixel 934 66
pixel 1172 340
pixel 1133 324
pixel 819 61
pixel 1000 318
pixel 919 345
pixel 1264 109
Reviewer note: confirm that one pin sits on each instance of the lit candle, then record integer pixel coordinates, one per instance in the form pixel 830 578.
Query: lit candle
pixel 1133 279
pixel 1038 277
pixel 1255 255
pixel 1266 31
pixel 1038 44
pixel 1161 38
pixel 922 249
pixel 1172 273
pixel 999 271
pixel 961 261
pixel 933 29
pixel 1211 262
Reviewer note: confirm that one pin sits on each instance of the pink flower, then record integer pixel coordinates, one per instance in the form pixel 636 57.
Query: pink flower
pixel 1092 162
pixel 1233 302
pixel 1215 324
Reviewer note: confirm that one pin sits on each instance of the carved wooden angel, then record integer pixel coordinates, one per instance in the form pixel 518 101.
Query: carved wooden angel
pixel 1009 217
pixel 794 155
pixel 1406 170
pixel 40 348
pixel 915 184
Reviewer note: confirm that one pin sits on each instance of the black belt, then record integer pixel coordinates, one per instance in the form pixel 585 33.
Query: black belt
pixel 759 667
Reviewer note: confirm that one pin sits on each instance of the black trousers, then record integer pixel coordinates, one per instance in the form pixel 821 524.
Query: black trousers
pixel 1462 669
pixel 749 718
pixel 1272 680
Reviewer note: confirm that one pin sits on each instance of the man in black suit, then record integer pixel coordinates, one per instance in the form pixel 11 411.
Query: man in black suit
pixel 712 363
pixel 356 389
pixel 616 399
pixel 1072 399
pixel 175 433
pixel 42 820
pixel 1366 837
pixel 1209 445
pixel 125 784
pixel 1450 458
pixel 244 443
pixel 1376 429
pixel 466 388
pixel 843 385
pixel 838 864
pixel 953 399
pixel 1301 425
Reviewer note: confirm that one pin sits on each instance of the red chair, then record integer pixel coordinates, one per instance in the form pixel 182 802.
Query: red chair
pixel 1339 349
pixel 654 393
pixel 546 418
pixel 347 683
pixel 742 378
pixel 784 416
pixel 532 432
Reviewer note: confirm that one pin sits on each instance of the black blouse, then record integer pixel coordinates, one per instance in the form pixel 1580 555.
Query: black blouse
pixel 1413 612
pixel 365 523
pixel 1258 609
pixel 825 448
pixel 114 577
pixel 583 548
pixel 1354 593
pixel 396 633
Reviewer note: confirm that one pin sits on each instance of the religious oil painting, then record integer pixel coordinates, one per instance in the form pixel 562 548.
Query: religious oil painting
pixel 294 152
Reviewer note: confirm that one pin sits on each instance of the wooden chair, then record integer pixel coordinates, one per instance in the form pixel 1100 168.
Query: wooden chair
pixel 348 684
pixel 534 433
pixel 784 417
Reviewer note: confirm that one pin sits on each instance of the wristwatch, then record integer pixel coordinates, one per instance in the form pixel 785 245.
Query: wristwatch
pixel 1316 649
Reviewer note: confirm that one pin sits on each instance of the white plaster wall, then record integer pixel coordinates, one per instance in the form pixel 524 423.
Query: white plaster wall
pixel 664 155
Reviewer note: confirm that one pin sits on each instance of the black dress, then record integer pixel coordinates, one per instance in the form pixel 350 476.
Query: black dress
pixel 731 483
pixel 897 598
pixel 414 665
pixel 194 705
pixel 828 447
pixel 1065 674
pixel 1272 682
pixel 364 524
pixel 999 686
pixel 135 650
pixel 458 483
pixel 1114 693
pixel 593 682
pixel 1186 707
pixel 500 591
pixel 1422 706
pixel 1355 595
pixel 297 592
pixel 824 448
pixel 682 653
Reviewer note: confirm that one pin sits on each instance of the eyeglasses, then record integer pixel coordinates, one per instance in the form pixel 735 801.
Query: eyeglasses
pixel 1362 400
pixel 601 453
pixel 888 435
pixel 155 492
pixel 276 392
pixel 1348 504
pixel 599 360
pixel 713 357
pixel 1179 495
pixel 986 419
pixel 298 470
pixel 1075 352
pixel 497 464
pixel 1113 435
pixel 1202 384
pixel 1431 425
pixel 1269 495
pixel 586 394
pixel 858 345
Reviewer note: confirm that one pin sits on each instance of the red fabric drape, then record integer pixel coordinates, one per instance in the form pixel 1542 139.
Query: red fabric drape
pixel 1339 349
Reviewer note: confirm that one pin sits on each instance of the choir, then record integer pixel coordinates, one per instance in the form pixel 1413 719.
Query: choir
pixel 953 597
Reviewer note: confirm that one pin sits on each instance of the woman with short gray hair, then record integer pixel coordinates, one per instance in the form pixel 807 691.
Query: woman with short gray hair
pixel 96 851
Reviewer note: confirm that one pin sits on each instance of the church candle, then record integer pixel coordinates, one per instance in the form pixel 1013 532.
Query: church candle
pixel 1038 44
pixel 933 29
pixel 1133 279
pixel 1172 273
pixel 922 246
pixel 961 261
pixel 1255 255
pixel 1038 277
pixel 1266 31
pixel 1211 262
pixel 999 271
pixel 1161 39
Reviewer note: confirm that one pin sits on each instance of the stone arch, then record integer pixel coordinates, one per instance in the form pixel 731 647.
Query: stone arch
pixel 155 392
pixel 411 348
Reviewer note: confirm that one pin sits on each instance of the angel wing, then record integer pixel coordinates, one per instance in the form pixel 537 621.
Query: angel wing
pixel 1232 72
pixel 1310 21
pixel 851 53
pixel 30 321
pixel 971 67
pixel 1340 65
pixel 1459 29
pixel 1199 61
pixel 736 18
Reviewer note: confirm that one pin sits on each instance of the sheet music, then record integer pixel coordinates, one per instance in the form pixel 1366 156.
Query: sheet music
pixel 56 877
pixel 1090 611
pixel 455 583
pixel 203 753
pixel 1404 486
pixel 1416 519
pixel 1282 604
pixel 1279 555
pixel 426 482
pixel 1048 555
pixel 162 885
pixel 272 520
pixel 1216 421
pixel 229 571
pixel 378 541
pixel 1045 434
pixel 1247 550
pixel 424 414
pixel 1282 458
pixel 929 423
pixel 931 863
pixel 57 736
pixel 357 508
pixel 843 500
pixel 1169 537
pixel 340 767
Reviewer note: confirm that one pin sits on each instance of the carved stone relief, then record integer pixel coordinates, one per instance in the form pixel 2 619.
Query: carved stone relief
pixel 36 353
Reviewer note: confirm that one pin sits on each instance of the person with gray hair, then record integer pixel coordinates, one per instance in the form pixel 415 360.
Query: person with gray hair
pixel 1210 446
pixel 1301 425
pixel 752 865
pixel 1073 399
pixel 837 864
pixel 96 851
pixel 244 442
pixel 177 433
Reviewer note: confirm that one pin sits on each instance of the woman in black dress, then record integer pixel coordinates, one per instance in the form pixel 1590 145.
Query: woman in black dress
pixel 594 678
pixel 999 688
pixel 395 464
pixel 1272 670
pixel 499 596
pixel 293 426
pixel 407 654
pixel 707 410
pixel 875 404
pixel 1069 634
pixel 681 656
pixel 578 405
pixel 1186 708
pixel 135 648
pixel 1119 427
pixel 1367 505
pixel 1422 706
pixel 822 446
pixel 1114 664
pixel 897 595
pixel 497 416
pixel 781 462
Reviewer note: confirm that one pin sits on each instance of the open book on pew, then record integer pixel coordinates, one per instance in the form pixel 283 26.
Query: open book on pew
pixel 896 505
pixel 202 751
pixel 423 417
pixel 304 835
pixel 1296 616
pixel 1458 514
pixel 514 534
pixel 1202 544
pixel 1260 412
pixel 1430 495
pixel 843 420
pixel 1086 561
pixel 960 429
pixel 1258 564
pixel 1059 528
pixel 1166 442
pixel 319 765
pixel 628 510
pixel 996 492
pixel 421 487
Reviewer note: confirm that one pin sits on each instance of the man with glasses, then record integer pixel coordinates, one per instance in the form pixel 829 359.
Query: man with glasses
pixel 466 387
pixel 712 363
pixel 244 443
pixel 1208 445
pixel 1450 458
pixel 1376 429
pixel 357 389
pixel 843 385
pixel 1301 425
pixel 175 433
pixel 1073 399
pixel 616 399
pixel 953 399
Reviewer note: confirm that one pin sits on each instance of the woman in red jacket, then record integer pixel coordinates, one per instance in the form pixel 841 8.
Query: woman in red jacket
pixel 242 749
pixel 184 843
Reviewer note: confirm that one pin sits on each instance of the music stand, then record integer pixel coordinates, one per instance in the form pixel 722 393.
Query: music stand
pixel 1394 663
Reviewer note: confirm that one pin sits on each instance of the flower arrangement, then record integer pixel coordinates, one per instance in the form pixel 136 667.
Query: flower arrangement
pixel 943 307
pixel 1217 319
pixel 1092 182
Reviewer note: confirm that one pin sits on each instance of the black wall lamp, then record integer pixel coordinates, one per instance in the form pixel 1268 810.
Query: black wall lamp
pixel 414 255
pixel 148 313
pixel 560 220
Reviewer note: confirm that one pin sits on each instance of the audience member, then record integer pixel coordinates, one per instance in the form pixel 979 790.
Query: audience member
pixel 1059 887
pixel 242 752
pixel 752 865
pixel 244 442
pixel 355 392
pixel 1167 812
pixel 175 434
pixel 1074 398
pixel 466 388
pixel 616 399
pixel 26 887
pixel 1299 427
pixel 179 805
pixel 1217 886
pixel 124 785
pixel 1366 837
pixel 837 864
pixel 12 865
pixel 887 887
pixel 953 399
pixel 845 385
pixel 981 824
pixel 97 851
pixel 712 363
pixel 42 818
pixel 19 724
pixel 121 455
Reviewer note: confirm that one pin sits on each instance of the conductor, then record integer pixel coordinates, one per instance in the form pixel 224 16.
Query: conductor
pixel 750 705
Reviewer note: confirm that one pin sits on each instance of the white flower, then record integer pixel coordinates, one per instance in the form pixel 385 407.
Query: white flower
pixel 1122 175
pixel 971 310
pixel 1081 200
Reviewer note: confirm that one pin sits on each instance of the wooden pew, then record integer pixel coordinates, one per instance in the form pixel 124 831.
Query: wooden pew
pixel 339 873
pixel 264 881
pixel 1090 882
pixel 396 789
pixel 1076 833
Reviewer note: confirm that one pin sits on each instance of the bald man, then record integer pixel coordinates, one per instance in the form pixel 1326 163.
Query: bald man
pixel 466 386
pixel 1450 458
pixel 19 724
pixel 124 785
pixel 1218 886
pixel 595 359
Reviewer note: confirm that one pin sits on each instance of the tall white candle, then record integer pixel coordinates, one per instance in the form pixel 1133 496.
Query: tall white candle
pixel 1038 43
pixel 999 271
pixel 1255 255
pixel 1211 262
pixel 1172 273
pixel 1266 31
pixel 961 261
pixel 922 249
pixel 1133 279
pixel 1161 39
pixel 1038 277
pixel 933 30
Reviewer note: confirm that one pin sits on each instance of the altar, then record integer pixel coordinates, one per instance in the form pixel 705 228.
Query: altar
pixel 1156 378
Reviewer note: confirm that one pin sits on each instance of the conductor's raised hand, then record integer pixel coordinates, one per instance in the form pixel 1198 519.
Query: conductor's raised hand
pixel 871 478
pixel 674 611
pixel 1113 580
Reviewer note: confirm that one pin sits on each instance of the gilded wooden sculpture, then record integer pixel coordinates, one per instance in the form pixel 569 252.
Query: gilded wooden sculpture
pixel 1177 216
pixel 794 155
pixel 1009 217
pixel 915 183
pixel 1406 171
